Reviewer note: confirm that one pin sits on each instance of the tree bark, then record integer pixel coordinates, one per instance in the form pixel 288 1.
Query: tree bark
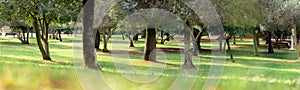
pixel 104 41
pixel 255 45
pixel 46 56
pixel 136 37
pixel 131 43
pixel 59 35
pixel 150 45
pixel 196 43
pixel 229 50
pixel 88 35
pixel 27 38
pixel 269 39
pixel 123 36
pixel 97 40
pixel 257 37
pixel 188 63
pixel 234 39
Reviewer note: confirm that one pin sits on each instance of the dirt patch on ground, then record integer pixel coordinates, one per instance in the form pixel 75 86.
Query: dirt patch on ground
pixel 166 50
pixel 11 43
pixel 171 50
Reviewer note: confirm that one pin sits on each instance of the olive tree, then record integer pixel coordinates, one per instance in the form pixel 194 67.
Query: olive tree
pixel 40 14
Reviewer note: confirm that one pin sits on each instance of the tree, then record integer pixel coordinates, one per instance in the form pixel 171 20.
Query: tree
pixel 150 45
pixel 125 8
pixel 88 35
pixel 293 7
pixel 97 40
pixel 273 10
pixel 22 31
pixel 40 14
pixel 237 14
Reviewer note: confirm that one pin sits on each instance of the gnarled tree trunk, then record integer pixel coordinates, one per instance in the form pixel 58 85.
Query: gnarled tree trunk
pixel 42 28
pixel 88 35
pixel 188 63
pixel 150 45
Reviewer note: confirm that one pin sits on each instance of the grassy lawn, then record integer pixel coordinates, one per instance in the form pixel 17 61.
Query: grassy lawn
pixel 22 68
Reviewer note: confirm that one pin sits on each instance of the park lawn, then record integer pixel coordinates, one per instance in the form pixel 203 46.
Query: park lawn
pixel 22 68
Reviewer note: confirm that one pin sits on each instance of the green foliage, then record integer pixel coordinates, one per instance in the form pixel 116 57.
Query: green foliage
pixel 61 11
pixel 241 13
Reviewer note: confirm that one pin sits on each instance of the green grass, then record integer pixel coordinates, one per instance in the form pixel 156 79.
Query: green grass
pixel 21 67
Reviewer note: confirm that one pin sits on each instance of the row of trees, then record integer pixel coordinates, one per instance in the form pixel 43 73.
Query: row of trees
pixel 257 16
pixel 238 17
pixel 39 15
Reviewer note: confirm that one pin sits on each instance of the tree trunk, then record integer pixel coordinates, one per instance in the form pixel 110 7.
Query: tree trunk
pixel 88 35
pixel 46 56
pixel 234 39
pixel 136 37
pixel 150 45
pixel 131 43
pixel 97 40
pixel 229 50
pixel 123 36
pixel 27 38
pixel 257 37
pixel 255 43
pixel 188 63
pixel 24 38
pixel 59 35
pixel 269 39
pixel 45 38
pixel 104 41
pixel 143 34
pixel 196 45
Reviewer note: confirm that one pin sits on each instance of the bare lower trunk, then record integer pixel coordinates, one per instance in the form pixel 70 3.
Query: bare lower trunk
pixel 255 45
pixel 150 45
pixel 136 37
pixel 131 43
pixel 188 63
pixel 196 43
pixel 123 36
pixel 89 54
pixel 257 37
pixel 97 40
pixel 59 35
pixel 27 38
pixel 270 47
pixel 104 41
pixel 45 54
pixel 234 39
pixel 229 50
